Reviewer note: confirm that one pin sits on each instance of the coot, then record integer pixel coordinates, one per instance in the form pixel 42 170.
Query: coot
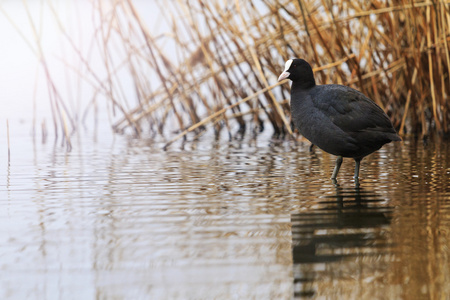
pixel 336 118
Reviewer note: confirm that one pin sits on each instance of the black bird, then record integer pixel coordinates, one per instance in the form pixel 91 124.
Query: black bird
pixel 336 118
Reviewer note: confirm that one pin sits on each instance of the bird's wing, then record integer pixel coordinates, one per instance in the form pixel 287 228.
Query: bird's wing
pixel 351 110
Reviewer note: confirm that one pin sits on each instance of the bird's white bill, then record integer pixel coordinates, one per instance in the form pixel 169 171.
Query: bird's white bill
pixel 284 75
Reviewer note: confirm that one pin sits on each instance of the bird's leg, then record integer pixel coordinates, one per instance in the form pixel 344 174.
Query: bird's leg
pixel 335 183
pixel 337 166
pixel 357 165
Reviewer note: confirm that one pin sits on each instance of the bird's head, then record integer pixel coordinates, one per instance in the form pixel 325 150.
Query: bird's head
pixel 298 70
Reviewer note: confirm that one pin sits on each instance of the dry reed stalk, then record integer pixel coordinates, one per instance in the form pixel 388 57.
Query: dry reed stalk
pixel 430 67
pixel 408 101
pixel 44 132
pixel 9 146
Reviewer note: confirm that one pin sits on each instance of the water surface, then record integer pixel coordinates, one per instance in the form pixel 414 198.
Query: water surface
pixel 124 219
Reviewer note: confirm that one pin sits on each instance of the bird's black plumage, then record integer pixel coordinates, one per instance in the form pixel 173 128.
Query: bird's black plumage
pixel 336 118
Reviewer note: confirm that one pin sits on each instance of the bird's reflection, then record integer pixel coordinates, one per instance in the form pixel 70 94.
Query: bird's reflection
pixel 344 226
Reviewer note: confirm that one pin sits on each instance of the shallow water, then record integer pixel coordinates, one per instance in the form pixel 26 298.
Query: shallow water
pixel 240 220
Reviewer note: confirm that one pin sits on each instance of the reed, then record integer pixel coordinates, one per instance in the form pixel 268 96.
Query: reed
pixel 225 57
pixel 230 54
pixel 60 112
pixel 9 146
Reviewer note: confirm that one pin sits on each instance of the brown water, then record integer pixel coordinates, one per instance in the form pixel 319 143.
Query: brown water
pixel 240 220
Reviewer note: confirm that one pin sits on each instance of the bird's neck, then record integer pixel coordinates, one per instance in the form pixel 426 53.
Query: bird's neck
pixel 303 84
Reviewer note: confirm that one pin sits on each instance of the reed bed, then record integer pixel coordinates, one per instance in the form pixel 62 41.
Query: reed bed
pixel 214 64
